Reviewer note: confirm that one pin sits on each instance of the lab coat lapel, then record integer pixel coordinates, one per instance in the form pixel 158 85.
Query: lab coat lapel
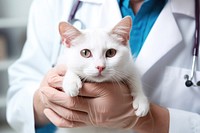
pixel 186 8
pixel 106 18
pixel 66 9
pixel 110 14
pixel 69 4
pixel 163 36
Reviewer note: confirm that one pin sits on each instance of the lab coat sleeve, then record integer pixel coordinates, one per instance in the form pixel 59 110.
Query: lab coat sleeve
pixel 27 72
pixel 184 122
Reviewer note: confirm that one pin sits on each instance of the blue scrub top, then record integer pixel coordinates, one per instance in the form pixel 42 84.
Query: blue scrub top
pixel 50 128
pixel 142 21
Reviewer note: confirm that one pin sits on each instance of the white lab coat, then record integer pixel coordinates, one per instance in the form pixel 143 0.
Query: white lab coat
pixel 163 61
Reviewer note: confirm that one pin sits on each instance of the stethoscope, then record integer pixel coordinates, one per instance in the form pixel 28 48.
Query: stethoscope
pixel 72 19
pixel 195 50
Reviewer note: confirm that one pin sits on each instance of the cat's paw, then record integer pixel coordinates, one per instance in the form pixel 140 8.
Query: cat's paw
pixel 141 106
pixel 72 85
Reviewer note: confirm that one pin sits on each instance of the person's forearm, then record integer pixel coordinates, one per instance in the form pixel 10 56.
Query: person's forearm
pixel 156 121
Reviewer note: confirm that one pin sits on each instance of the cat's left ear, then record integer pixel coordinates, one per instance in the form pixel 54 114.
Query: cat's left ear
pixel 121 31
pixel 68 33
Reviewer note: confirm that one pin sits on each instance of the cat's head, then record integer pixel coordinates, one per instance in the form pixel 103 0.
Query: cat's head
pixel 97 54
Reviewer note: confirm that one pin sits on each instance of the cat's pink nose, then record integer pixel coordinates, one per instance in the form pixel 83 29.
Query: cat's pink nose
pixel 100 68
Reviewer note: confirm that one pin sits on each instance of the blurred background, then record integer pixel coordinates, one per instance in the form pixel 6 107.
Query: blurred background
pixel 13 22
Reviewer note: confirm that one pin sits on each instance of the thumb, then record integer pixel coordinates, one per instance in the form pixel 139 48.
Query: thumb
pixel 60 69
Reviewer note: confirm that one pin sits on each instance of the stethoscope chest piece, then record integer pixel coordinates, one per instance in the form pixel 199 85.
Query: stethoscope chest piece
pixel 189 83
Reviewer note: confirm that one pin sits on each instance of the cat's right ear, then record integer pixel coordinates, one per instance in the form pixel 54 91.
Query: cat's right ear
pixel 122 30
pixel 68 32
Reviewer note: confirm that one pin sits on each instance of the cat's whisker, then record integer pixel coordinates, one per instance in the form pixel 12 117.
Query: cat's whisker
pixel 86 78
pixel 120 75
pixel 115 80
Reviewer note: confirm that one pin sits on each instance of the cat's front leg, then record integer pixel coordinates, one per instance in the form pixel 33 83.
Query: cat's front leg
pixel 72 83
pixel 140 103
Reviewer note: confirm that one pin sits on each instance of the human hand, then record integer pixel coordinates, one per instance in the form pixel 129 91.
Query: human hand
pixel 51 81
pixel 110 105
pixel 103 105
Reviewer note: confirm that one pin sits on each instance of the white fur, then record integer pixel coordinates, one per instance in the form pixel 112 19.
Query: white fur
pixel 119 68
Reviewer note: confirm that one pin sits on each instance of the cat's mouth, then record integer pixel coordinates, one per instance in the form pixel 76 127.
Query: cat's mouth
pixel 96 76
pixel 99 78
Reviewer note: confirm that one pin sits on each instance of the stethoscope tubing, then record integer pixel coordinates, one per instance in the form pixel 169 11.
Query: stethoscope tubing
pixel 73 11
pixel 195 51
pixel 196 40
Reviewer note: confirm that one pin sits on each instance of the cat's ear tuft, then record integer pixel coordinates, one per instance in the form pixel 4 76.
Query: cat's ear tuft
pixel 68 33
pixel 122 30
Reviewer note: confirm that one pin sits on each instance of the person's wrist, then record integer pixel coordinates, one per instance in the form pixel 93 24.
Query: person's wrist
pixel 39 116
pixel 156 121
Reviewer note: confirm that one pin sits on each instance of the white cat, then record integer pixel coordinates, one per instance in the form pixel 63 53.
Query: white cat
pixel 99 55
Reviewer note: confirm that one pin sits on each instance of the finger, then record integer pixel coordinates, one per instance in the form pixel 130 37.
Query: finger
pixel 63 99
pixel 61 122
pixel 71 115
pixel 56 82
pixel 89 90
pixel 95 89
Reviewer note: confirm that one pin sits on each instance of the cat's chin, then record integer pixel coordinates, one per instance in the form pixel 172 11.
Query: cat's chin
pixel 98 79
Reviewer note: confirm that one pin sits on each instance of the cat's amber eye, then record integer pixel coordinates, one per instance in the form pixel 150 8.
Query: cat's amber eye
pixel 111 52
pixel 86 53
